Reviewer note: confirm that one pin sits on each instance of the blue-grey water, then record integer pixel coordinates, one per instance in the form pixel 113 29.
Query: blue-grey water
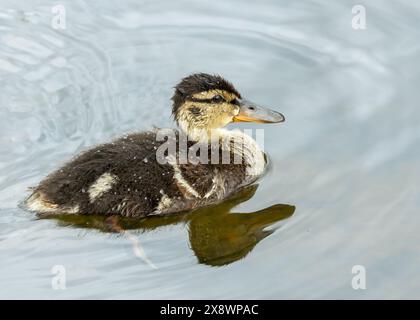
pixel 347 157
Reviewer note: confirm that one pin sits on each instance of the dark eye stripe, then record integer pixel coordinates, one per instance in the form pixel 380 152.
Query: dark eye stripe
pixel 218 98
pixel 200 100
pixel 209 100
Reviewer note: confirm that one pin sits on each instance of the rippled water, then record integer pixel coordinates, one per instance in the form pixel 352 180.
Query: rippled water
pixel 343 187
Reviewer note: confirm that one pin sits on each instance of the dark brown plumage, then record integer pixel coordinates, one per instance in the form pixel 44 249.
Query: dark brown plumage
pixel 141 180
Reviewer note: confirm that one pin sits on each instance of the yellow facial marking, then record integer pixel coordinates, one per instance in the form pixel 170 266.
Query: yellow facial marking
pixel 201 113
pixel 205 115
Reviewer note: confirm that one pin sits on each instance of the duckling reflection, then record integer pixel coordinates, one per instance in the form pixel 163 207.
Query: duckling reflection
pixel 217 236
pixel 231 236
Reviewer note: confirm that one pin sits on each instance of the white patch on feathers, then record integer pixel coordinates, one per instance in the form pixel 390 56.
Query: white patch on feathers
pixel 37 203
pixel 218 187
pixel 180 179
pixel 103 184
pixel 164 203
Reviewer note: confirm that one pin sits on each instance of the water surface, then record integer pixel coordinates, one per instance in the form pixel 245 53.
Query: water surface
pixel 342 189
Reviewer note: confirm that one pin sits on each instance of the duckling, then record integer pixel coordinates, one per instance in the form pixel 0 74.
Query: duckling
pixel 128 177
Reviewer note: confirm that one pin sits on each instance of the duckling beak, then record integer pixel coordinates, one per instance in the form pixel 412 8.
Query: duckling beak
pixel 251 112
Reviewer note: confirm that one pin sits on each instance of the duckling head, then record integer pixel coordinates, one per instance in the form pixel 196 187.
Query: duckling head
pixel 204 102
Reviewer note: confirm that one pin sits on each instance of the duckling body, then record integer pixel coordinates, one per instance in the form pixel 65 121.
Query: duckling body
pixel 126 177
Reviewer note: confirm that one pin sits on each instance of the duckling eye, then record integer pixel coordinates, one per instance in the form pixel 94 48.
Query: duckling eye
pixel 218 98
